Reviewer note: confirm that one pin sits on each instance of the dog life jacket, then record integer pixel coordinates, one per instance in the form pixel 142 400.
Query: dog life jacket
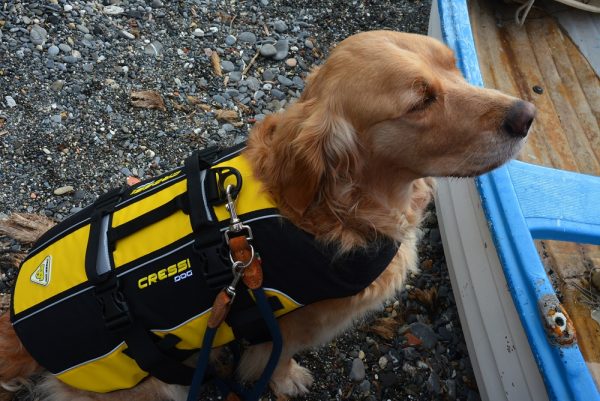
pixel 122 289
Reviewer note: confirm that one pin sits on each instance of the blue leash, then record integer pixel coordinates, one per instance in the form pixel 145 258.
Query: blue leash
pixel 253 393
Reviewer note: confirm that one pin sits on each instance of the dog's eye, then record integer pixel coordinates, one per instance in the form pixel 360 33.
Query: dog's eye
pixel 424 102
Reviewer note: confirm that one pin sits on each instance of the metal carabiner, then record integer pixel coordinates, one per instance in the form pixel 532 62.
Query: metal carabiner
pixel 238 271
pixel 235 224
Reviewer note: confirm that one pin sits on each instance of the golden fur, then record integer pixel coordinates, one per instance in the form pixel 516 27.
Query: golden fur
pixel 348 162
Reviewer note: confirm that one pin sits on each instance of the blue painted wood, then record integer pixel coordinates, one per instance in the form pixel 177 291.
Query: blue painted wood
pixel 556 204
pixel 563 368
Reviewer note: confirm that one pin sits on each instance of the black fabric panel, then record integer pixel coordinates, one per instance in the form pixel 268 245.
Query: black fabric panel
pixel 293 262
pixel 67 334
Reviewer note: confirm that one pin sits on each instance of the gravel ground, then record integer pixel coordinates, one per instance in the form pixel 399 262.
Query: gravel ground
pixel 94 92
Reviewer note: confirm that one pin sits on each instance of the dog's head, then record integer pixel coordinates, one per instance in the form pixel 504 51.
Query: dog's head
pixel 389 104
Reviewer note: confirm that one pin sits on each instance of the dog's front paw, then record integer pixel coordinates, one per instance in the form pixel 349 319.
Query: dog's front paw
pixel 291 380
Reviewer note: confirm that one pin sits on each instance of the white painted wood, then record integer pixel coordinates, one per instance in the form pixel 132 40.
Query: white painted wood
pixel 502 360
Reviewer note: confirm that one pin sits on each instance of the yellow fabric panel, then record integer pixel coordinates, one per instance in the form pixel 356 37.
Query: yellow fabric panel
pixel 192 333
pixel 152 238
pixel 111 372
pixel 288 303
pixel 252 196
pixel 149 203
pixel 67 269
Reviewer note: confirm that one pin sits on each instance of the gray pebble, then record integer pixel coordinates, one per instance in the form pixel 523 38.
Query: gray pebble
pixel 433 383
pixel 126 172
pixel 259 117
pixel 199 33
pixel 267 87
pixel 298 82
pixel 230 40
pixel 235 76
pixel 357 373
pixel 365 387
pixel 82 28
pixel 425 334
pixel 219 99
pixel 253 83
pixel 154 49
pixel 268 75
pixel 283 47
pixel 65 48
pixel 228 127
pixel 126 35
pixel 56 118
pixel 70 59
pixel 157 3
pixel 88 67
pixel 53 50
pixel 308 43
pixel 10 102
pixel 227 66
pixel 38 35
pixel 247 37
pixel 277 94
pixel 280 26
pixel 259 95
pixel 57 85
pixel 285 81
pixel 268 50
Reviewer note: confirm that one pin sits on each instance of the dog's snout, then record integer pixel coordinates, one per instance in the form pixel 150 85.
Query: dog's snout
pixel 519 119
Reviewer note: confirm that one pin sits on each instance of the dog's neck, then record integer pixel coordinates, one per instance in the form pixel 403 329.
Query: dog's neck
pixel 348 212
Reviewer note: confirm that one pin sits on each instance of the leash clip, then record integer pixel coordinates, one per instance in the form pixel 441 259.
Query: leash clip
pixel 235 224
pixel 238 271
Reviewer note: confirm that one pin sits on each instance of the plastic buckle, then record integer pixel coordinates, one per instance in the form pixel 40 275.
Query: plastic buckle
pixel 214 264
pixel 115 310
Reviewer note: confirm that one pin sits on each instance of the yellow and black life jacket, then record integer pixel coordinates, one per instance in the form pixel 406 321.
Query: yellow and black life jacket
pixel 122 289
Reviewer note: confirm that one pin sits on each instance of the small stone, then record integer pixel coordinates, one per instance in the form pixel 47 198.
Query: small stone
pixel 285 81
pixel 291 62
pixel 268 50
pixel 277 94
pixel 38 35
pixel 282 46
pixel 383 362
pixel 230 40
pixel 235 76
pixel 308 43
pixel 357 373
pixel 126 35
pixel 113 10
pixel 154 49
pixel 88 67
pixel 268 75
pixel 157 3
pixel 247 37
pixel 199 33
pixel 364 387
pixel 228 127
pixel 280 26
pixel 425 334
pixel 67 189
pixel 70 59
pixel 361 354
pixel 82 28
pixel 433 384
pixel 596 278
pixel 68 8
pixel 53 50
pixel 10 102
pixel 65 48
pixel 57 118
pixel 227 66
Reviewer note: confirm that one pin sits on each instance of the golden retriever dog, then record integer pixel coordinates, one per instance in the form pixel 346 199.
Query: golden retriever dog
pixel 350 161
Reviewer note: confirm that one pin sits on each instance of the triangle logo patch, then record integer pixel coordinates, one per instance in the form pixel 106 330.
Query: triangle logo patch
pixel 41 275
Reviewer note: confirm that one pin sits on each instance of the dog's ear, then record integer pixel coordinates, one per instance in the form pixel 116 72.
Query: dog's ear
pixel 323 157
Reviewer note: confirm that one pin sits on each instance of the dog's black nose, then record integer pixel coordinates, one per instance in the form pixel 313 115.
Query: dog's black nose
pixel 519 119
